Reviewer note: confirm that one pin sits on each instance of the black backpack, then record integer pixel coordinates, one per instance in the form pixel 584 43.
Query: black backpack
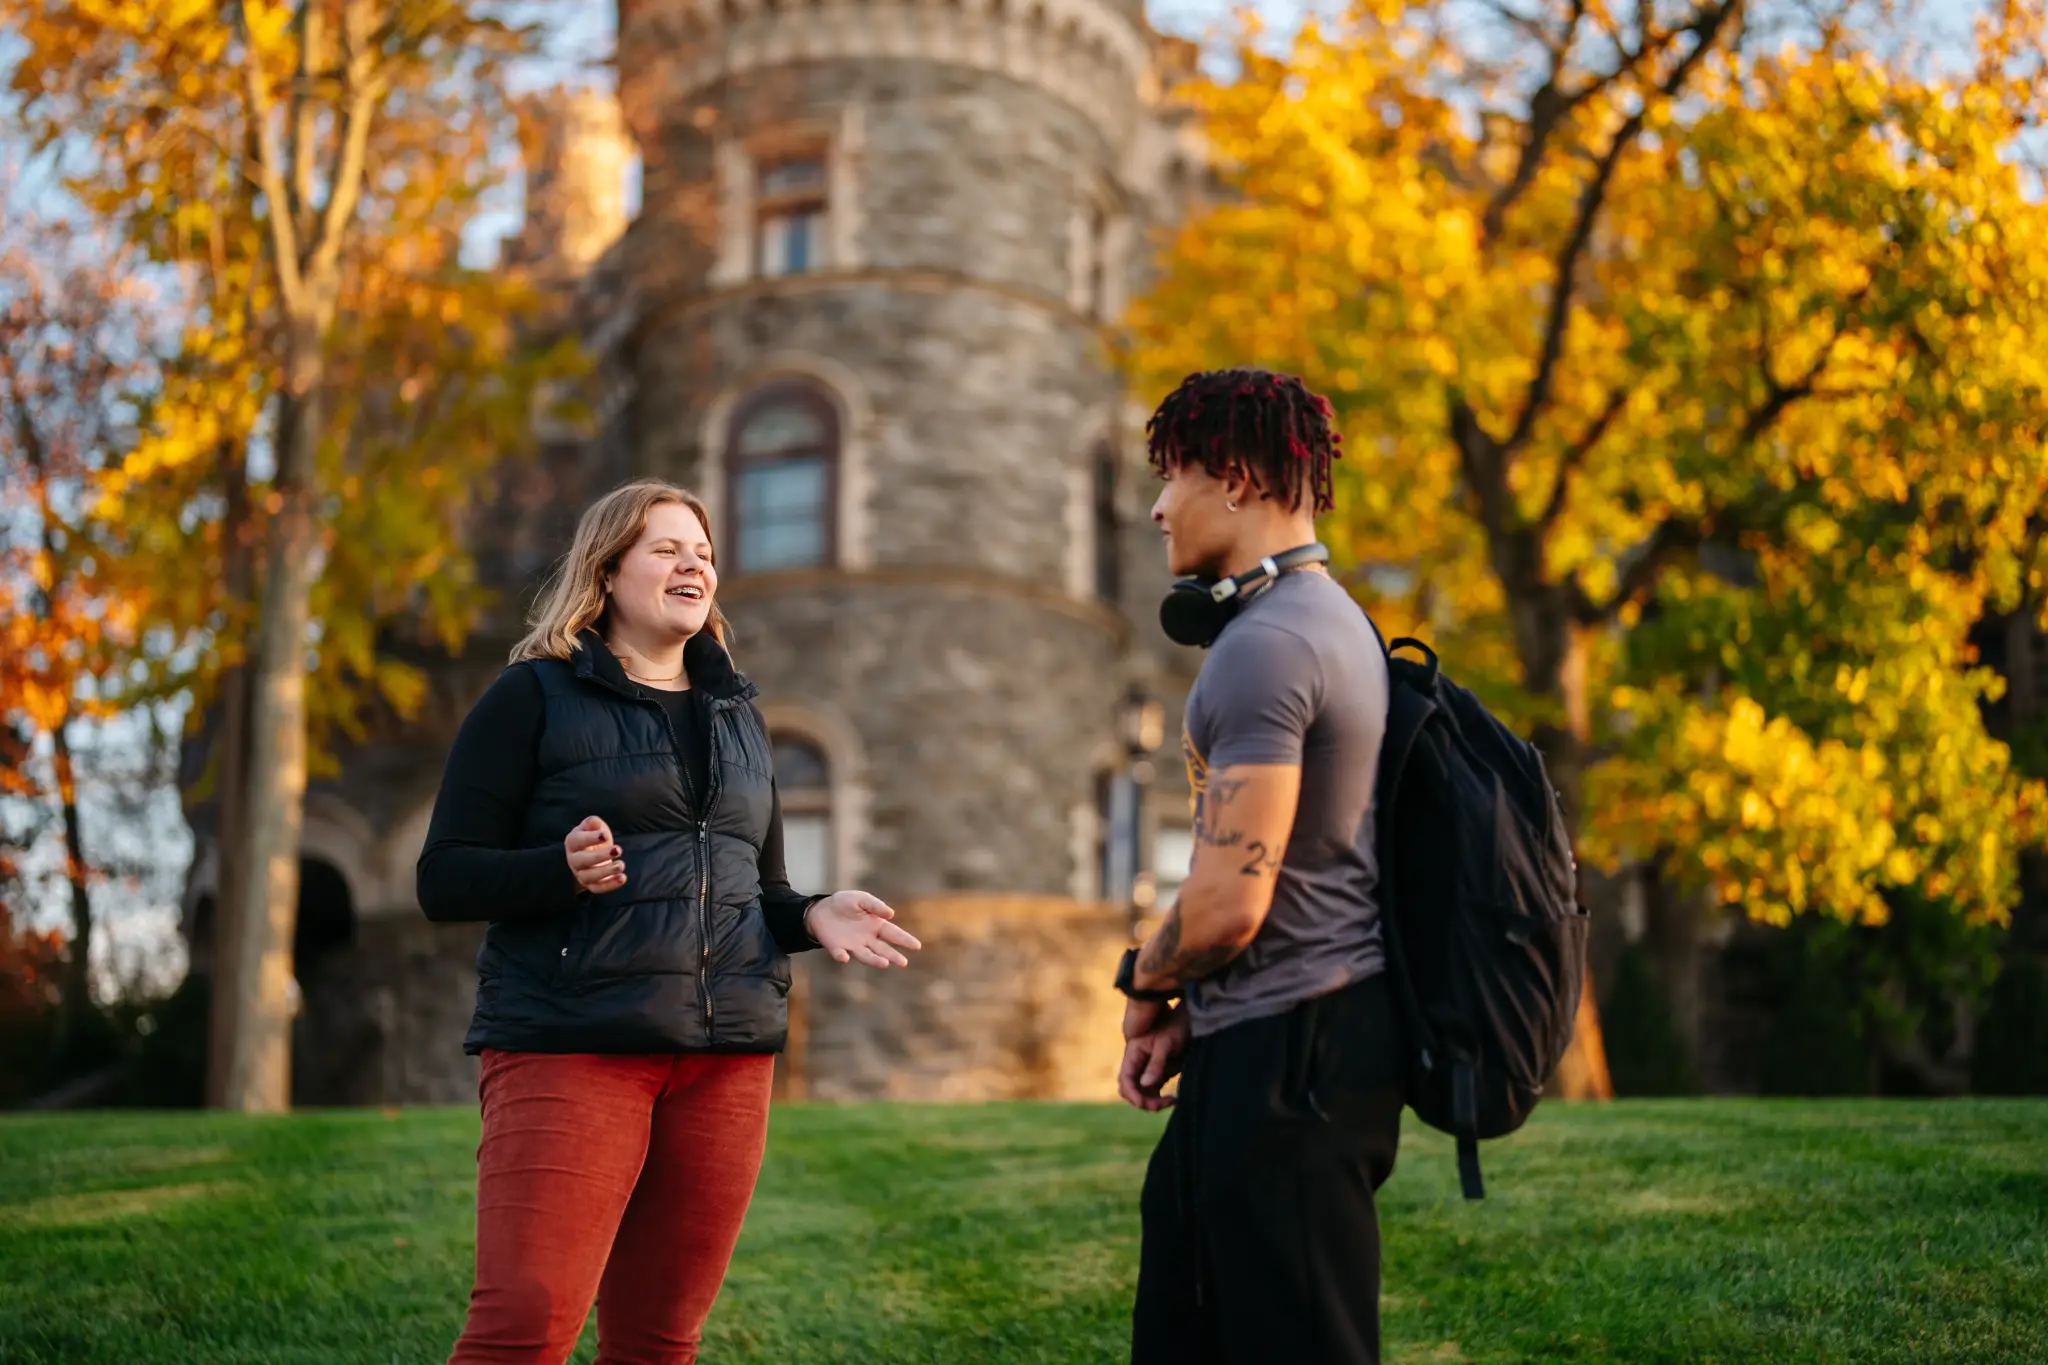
pixel 1484 935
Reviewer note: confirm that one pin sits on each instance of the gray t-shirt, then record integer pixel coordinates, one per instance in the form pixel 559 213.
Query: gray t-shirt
pixel 1298 677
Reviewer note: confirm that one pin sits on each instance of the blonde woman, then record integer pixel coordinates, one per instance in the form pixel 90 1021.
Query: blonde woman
pixel 609 808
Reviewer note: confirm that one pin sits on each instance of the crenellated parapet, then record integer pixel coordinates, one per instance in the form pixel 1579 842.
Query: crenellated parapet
pixel 1090 53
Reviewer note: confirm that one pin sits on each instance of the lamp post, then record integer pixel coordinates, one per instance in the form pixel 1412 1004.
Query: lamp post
pixel 1141 729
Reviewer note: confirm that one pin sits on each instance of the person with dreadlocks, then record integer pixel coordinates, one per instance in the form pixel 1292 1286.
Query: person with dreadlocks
pixel 1264 988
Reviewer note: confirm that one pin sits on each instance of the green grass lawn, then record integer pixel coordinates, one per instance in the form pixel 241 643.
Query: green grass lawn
pixel 1644 1231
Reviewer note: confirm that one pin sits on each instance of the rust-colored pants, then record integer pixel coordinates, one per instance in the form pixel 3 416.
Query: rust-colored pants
pixel 624 1178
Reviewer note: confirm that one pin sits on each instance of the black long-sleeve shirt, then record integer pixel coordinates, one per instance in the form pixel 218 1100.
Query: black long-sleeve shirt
pixel 473 867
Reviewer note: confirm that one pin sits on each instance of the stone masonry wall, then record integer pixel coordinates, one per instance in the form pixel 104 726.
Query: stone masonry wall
pixel 1010 999
pixel 979 406
pixel 981 698
pixel 980 379
pixel 976 714
pixel 383 1019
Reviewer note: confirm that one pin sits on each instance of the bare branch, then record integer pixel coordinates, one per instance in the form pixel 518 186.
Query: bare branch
pixel 1640 567
pixel 284 241
pixel 1568 464
pixel 1778 397
pixel 25 429
pixel 1643 563
pixel 363 84
pixel 304 119
pixel 1551 103
pixel 1479 461
pixel 1530 25
pixel 1591 200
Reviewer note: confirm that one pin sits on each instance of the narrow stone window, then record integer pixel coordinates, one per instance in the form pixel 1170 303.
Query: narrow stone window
pixel 1098 261
pixel 791 203
pixel 1108 528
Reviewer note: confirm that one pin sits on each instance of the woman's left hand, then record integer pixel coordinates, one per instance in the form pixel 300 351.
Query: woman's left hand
pixel 855 927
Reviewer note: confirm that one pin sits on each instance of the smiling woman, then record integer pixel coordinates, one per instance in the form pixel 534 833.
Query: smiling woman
pixel 609 808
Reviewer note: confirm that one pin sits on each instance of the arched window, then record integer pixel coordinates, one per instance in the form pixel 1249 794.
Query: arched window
pixel 782 458
pixel 803 779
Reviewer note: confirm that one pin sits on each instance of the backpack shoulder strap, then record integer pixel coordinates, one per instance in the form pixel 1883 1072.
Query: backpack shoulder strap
pixel 1465 1107
pixel 1410 703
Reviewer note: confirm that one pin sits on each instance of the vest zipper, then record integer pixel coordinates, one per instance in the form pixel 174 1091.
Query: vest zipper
pixel 704 924
pixel 703 802
pixel 711 786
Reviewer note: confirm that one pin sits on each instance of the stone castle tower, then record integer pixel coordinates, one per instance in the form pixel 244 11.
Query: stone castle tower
pixel 862 310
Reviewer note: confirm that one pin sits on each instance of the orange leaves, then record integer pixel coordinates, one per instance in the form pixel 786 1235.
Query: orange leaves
pixel 429 386
pixel 71 325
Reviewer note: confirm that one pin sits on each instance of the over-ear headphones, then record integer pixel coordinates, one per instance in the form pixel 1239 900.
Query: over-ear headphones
pixel 1197 609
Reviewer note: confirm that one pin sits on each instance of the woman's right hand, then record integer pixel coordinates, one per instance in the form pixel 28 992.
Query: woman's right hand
pixel 596 860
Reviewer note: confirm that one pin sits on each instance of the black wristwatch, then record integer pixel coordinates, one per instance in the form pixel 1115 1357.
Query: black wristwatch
pixel 1127 969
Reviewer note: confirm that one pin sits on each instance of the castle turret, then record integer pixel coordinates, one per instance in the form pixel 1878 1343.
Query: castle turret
pixel 878 248
pixel 861 310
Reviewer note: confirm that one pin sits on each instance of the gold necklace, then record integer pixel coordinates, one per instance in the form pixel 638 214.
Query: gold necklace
pixel 636 677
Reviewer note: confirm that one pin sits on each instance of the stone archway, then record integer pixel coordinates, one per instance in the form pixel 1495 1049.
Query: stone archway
pixel 337 1046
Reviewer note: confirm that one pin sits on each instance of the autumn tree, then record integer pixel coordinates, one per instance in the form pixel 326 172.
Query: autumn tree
pixel 1688 358
pixel 309 168
pixel 73 362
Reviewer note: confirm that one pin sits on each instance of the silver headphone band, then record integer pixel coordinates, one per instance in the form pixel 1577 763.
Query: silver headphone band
pixel 1271 567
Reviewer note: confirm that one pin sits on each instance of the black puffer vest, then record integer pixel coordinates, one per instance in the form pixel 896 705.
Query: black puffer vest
pixel 680 958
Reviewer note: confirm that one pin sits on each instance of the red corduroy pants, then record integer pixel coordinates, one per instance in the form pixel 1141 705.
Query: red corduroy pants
pixel 620 1178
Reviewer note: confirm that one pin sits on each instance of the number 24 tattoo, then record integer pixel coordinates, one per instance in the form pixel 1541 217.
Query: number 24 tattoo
pixel 1263 861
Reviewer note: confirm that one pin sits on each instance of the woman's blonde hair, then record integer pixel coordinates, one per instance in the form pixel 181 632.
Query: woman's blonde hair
pixel 574 599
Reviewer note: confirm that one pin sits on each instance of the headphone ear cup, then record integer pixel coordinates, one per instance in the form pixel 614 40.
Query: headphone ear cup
pixel 1191 617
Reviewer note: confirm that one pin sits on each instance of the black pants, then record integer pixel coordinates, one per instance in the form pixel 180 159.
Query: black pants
pixel 1260 1239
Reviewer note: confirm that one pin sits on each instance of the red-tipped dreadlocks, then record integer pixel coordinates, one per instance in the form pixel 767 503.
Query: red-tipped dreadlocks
pixel 1272 425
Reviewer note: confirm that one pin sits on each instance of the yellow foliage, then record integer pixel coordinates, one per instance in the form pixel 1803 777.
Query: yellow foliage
pixel 1802 330
pixel 430 381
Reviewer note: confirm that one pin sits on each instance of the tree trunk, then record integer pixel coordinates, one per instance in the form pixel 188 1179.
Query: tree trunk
pixel 1672 939
pixel 2029 933
pixel 266 848
pixel 77 1001
pixel 231 777
pixel 1582 1074
pixel 77 998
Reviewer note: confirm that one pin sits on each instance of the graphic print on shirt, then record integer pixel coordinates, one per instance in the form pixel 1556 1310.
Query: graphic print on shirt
pixel 1198 775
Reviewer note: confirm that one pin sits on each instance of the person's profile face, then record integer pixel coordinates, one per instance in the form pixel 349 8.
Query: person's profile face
pixel 1192 513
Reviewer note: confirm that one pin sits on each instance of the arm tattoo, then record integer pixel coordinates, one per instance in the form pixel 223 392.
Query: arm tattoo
pixel 1263 861
pixel 1164 956
pixel 1217 827
pixel 1210 825
pixel 1224 790
pixel 1165 944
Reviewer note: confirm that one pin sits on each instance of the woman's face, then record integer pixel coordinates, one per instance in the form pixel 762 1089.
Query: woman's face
pixel 664 583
